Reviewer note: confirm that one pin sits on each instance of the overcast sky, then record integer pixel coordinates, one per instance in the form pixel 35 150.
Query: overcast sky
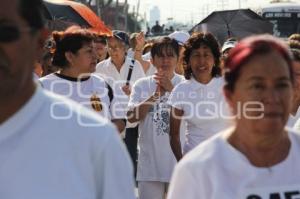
pixel 188 11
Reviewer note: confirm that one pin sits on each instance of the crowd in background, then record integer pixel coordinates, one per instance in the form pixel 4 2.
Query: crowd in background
pixel 198 119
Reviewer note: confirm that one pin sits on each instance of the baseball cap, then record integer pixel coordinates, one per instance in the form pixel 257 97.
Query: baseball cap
pixel 122 36
pixel 229 44
pixel 180 36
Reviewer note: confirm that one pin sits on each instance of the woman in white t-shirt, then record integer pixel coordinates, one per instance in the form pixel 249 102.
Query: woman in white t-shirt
pixel 198 101
pixel 148 106
pixel 75 55
pixel 257 158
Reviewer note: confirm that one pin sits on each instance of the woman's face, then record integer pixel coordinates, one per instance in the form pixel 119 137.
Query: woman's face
pixel 167 62
pixel 201 61
pixel 85 59
pixel 262 96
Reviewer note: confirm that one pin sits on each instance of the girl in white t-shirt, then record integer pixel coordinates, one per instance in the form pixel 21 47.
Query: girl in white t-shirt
pixel 257 158
pixel 75 55
pixel 148 106
pixel 198 100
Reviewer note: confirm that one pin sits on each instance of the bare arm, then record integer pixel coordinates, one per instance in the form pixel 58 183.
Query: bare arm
pixel 175 120
pixel 119 123
pixel 140 41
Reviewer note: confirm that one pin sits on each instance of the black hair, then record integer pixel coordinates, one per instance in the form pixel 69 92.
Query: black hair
pixel 165 45
pixel 31 11
pixel 69 42
pixel 196 41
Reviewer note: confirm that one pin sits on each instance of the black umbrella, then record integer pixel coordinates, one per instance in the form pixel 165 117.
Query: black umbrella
pixel 234 23
pixel 62 12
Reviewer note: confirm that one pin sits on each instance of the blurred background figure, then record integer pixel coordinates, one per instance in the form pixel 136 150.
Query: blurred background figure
pixel 294 45
pixel 156 29
pixel 121 72
pixel 51 147
pixel 259 76
pixel 100 47
pixel 227 46
pixel 181 37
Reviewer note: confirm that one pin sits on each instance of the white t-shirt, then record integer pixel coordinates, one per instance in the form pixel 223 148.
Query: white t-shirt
pixel 293 119
pixel 156 160
pixel 203 106
pixel 215 170
pixel 54 148
pixel 90 92
pixel 118 79
pixel 115 78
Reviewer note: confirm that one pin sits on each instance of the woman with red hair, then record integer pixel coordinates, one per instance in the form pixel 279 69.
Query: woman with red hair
pixel 76 58
pixel 257 158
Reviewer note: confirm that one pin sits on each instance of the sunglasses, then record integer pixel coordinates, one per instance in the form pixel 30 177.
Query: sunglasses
pixel 11 33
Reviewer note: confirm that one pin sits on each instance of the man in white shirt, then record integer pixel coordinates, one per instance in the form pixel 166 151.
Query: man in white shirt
pixel 50 147
pixel 121 71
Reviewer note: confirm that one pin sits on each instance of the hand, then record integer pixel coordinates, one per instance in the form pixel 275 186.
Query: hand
pixel 163 81
pixel 159 91
pixel 140 41
pixel 126 89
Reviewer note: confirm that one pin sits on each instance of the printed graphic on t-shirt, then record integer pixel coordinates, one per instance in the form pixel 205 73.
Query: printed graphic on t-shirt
pixel 161 115
pixel 96 103
pixel 282 192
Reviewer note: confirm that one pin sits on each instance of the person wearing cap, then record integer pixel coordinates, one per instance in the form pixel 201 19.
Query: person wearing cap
pixel 181 37
pixel 116 67
pixel 258 157
pixel 122 72
pixel 227 46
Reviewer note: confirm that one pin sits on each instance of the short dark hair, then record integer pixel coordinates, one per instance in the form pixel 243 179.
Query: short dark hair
pixel 249 48
pixel 197 40
pixel 69 41
pixel 164 44
pixel 31 11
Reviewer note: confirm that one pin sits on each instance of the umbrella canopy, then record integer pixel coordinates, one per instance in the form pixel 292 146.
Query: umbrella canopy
pixel 69 12
pixel 234 23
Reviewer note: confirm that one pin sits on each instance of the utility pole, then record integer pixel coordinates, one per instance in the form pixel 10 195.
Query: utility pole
pixel 136 15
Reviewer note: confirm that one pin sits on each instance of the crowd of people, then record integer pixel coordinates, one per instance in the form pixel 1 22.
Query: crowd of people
pixel 83 115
